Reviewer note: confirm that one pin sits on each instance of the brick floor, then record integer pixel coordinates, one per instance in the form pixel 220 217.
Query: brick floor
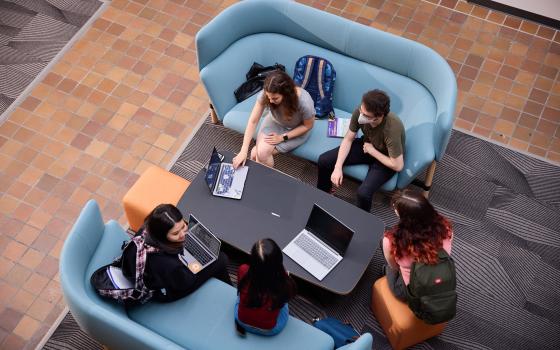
pixel 127 95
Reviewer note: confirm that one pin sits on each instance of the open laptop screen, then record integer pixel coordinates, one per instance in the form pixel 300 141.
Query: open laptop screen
pixel 204 236
pixel 213 168
pixel 329 229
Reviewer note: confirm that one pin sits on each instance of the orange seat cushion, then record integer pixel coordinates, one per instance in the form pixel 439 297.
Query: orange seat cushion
pixel 402 328
pixel 155 186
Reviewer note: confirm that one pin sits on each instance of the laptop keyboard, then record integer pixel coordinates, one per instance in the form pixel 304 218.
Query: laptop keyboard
pixel 311 247
pixel 226 179
pixel 197 252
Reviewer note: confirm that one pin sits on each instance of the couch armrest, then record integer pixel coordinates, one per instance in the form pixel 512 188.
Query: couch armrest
pixel 433 71
pixel 89 245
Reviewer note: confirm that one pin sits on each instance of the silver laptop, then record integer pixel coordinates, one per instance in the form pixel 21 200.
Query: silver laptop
pixel 319 247
pixel 222 179
pixel 201 247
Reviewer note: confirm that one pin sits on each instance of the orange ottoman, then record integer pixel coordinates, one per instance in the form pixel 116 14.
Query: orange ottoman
pixel 401 326
pixel 155 186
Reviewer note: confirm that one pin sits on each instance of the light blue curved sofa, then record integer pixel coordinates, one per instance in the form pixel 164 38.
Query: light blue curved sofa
pixel 419 81
pixel 203 320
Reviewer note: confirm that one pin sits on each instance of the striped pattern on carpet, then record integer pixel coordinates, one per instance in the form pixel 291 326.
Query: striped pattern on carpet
pixel 32 33
pixel 505 207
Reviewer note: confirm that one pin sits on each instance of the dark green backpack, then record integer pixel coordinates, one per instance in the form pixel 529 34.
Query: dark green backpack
pixel 431 291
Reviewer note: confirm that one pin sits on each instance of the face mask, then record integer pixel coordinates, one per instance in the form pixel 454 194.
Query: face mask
pixel 362 119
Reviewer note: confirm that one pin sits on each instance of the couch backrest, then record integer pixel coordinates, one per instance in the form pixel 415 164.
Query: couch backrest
pixel 78 250
pixel 382 49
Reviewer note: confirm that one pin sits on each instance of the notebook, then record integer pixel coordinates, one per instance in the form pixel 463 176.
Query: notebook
pixel 201 247
pixel 222 179
pixel 320 246
pixel 337 127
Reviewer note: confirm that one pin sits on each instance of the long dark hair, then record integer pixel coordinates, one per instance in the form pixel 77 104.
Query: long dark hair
pixel 158 223
pixel 421 229
pixel 267 279
pixel 281 83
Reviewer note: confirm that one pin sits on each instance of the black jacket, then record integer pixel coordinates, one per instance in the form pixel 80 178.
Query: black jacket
pixel 164 273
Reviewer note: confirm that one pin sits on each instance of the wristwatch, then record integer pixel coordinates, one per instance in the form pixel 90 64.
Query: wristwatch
pixel 285 137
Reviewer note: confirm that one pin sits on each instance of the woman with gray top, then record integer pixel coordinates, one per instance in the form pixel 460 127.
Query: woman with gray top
pixel 285 127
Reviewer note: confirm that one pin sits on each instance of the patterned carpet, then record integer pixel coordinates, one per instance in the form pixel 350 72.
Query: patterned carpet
pixel 32 32
pixel 505 210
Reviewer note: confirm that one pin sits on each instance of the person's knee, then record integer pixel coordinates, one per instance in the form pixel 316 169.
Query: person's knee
pixel 264 153
pixel 223 259
pixel 365 193
pixel 254 153
pixel 324 161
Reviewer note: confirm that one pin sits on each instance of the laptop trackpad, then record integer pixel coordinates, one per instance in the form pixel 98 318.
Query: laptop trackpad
pixel 306 261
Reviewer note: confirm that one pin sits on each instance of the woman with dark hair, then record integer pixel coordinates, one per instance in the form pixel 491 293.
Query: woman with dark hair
pixel 264 290
pixel 285 127
pixel 419 235
pixel 165 230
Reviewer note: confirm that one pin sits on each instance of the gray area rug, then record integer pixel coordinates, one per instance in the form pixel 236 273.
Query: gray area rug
pixel 505 207
pixel 32 32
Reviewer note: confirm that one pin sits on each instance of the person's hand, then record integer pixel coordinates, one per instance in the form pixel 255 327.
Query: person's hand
pixel 273 138
pixel 368 148
pixel 239 160
pixel 336 177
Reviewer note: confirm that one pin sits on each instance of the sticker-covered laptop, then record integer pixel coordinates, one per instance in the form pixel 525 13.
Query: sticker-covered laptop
pixel 222 179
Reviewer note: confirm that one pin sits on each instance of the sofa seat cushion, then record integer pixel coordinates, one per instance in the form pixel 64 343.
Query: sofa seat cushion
pixel 204 320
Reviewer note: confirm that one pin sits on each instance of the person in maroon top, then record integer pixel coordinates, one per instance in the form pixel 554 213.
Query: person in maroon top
pixel 264 289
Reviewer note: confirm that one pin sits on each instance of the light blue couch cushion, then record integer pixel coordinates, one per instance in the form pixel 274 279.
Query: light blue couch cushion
pixel 207 318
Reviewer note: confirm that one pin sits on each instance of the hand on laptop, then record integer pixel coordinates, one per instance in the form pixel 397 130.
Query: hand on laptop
pixel 239 160
pixel 194 267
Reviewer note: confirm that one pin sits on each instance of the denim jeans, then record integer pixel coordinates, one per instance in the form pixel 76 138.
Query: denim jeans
pixel 376 176
pixel 396 283
pixel 280 322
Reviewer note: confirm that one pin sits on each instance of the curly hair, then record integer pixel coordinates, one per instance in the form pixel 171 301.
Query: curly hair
pixel 281 83
pixel 421 229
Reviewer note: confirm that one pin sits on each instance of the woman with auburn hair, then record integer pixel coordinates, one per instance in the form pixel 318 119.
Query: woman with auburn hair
pixel 285 127
pixel 419 235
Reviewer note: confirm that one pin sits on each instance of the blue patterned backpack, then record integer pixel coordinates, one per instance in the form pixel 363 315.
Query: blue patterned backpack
pixel 317 76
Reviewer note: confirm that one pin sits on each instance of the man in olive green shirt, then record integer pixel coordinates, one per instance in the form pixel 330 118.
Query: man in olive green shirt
pixel 381 147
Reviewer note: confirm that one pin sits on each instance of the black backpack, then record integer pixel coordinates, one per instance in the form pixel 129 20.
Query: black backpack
pixel 109 282
pixel 255 80
pixel 431 291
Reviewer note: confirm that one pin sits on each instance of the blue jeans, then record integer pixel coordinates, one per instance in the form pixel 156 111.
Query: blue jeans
pixel 280 322
pixel 376 176
pixel 396 283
